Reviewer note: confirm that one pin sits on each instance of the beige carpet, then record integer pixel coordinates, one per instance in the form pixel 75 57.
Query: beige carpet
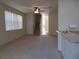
pixel 31 47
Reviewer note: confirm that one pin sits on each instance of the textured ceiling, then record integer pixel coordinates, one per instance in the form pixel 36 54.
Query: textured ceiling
pixel 27 5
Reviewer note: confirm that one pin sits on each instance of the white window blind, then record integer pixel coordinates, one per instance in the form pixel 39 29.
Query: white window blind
pixel 13 21
pixel 8 20
pixel 20 22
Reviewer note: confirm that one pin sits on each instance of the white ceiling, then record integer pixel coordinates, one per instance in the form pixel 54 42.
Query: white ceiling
pixel 27 5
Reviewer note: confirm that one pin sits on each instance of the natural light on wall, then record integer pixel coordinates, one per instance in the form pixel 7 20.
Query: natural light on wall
pixel 45 24
pixel 13 21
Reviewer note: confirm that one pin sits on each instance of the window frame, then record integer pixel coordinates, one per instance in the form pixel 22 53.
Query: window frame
pixel 16 23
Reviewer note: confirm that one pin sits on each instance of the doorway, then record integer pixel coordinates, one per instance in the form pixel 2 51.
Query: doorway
pixel 41 22
pixel 37 29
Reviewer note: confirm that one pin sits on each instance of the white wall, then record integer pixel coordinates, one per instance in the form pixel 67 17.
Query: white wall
pixel 68 13
pixel 29 23
pixel 53 22
pixel 9 36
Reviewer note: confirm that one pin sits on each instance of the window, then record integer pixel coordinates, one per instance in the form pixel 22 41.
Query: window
pixel 13 21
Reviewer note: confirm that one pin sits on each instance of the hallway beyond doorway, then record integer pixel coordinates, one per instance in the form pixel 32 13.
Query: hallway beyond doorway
pixel 45 23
